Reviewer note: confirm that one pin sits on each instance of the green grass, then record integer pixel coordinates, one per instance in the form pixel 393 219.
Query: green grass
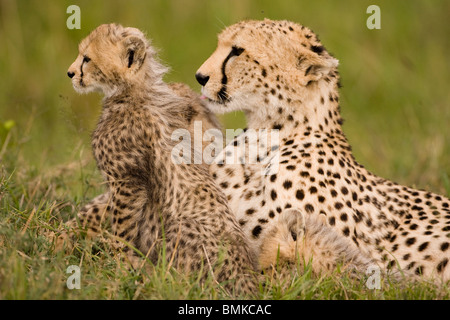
pixel 395 101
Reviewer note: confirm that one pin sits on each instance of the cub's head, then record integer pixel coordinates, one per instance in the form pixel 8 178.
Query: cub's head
pixel 263 62
pixel 112 57
pixel 284 241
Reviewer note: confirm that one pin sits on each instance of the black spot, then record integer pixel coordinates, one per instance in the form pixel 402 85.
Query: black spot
pixel 264 73
pixel 410 241
pixel 289 142
pixel 413 226
pixel 304 174
pixel 300 194
pixel 287 184
pixel 338 205
pixel 313 190
pixel 336 175
pixel 332 221
pixel 346 231
pixel 277 126
pixel 256 231
pixel 423 246
pixel 250 211
pixel 273 178
pixel 273 195
pixel 321 199
pixel 444 246
pixel 344 217
pixel 309 208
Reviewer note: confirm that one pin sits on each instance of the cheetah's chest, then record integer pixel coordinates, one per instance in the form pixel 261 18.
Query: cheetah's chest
pixel 304 176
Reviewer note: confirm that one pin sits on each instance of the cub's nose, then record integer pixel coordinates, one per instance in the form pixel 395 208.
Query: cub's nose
pixel 70 74
pixel 202 79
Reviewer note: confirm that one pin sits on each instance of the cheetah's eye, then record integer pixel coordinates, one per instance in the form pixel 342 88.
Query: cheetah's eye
pixel 294 235
pixel 236 51
pixel 86 59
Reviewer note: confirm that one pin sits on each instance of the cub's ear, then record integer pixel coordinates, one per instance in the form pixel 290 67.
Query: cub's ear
pixel 134 53
pixel 294 223
pixel 314 66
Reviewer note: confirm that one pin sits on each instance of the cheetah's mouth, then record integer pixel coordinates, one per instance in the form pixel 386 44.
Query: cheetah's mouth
pixel 210 100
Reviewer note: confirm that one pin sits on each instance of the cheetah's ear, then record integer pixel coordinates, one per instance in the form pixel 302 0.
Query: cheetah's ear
pixel 134 53
pixel 314 67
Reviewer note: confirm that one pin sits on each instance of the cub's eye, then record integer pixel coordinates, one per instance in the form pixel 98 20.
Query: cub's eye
pixel 294 235
pixel 236 51
pixel 86 59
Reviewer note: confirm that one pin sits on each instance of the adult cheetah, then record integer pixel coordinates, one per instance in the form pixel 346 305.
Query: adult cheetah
pixel 283 78
pixel 154 202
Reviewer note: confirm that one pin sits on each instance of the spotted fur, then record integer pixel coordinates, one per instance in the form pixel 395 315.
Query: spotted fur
pixel 285 79
pixel 154 202
pixel 299 240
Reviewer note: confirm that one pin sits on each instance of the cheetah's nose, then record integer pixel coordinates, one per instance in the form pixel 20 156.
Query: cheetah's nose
pixel 70 74
pixel 202 79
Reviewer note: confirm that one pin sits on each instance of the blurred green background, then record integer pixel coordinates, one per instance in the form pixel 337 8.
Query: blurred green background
pixel 395 96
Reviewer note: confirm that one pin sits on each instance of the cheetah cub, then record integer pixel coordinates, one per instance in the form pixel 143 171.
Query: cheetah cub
pixel 156 200
pixel 298 240
pixel 93 216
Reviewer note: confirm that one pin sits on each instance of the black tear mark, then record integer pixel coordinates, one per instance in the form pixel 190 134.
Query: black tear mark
pixel 222 94
pixel 85 60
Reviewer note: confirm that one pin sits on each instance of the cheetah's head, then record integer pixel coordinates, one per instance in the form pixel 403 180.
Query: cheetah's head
pixel 112 57
pixel 258 63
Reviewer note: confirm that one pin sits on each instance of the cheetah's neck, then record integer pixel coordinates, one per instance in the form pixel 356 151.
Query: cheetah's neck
pixel 151 116
pixel 316 110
